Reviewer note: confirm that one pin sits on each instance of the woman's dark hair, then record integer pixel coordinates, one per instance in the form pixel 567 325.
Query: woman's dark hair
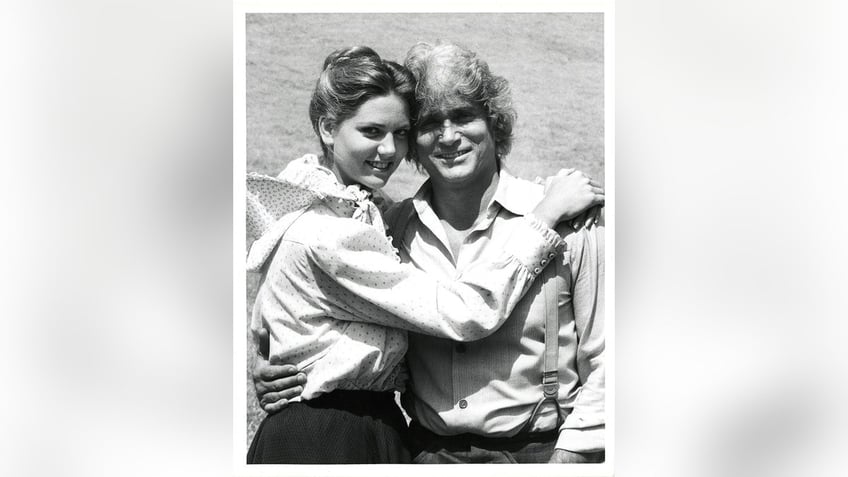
pixel 352 76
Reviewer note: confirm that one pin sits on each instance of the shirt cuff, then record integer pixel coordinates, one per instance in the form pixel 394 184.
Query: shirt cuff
pixel 582 440
pixel 534 245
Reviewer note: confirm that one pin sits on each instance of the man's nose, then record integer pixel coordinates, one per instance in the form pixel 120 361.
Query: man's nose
pixel 448 132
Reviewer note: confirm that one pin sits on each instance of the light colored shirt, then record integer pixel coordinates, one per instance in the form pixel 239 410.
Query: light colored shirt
pixel 490 387
pixel 338 303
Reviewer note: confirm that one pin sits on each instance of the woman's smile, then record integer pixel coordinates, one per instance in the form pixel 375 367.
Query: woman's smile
pixel 368 146
pixel 380 165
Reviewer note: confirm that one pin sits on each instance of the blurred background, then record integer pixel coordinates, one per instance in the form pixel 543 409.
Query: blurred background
pixel 117 286
pixel 553 61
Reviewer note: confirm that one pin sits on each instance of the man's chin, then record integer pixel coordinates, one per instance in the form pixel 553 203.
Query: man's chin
pixel 457 173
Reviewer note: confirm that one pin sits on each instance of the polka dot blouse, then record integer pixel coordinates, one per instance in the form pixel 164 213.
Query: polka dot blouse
pixel 337 301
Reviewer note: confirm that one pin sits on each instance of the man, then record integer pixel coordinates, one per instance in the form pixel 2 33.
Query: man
pixel 475 402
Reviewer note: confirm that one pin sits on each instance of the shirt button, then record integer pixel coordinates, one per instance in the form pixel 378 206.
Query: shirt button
pixel 537 270
pixel 551 255
pixel 463 404
pixel 460 348
pixel 543 262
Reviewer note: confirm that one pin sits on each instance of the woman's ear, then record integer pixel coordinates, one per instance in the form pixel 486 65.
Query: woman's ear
pixel 325 128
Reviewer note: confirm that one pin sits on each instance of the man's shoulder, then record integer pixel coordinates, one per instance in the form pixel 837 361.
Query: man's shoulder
pixel 521 182
pixel 520 196
pixel 396 216
pixel 582 240
pixel 394 209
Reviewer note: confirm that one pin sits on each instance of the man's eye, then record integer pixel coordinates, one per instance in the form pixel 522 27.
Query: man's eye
pixel 370 132
pixel 427 125
pixel 402 132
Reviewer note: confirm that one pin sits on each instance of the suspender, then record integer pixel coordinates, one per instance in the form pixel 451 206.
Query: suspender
pixel 550 286
pixel 550 381
pixel 551 291
pixel 550 375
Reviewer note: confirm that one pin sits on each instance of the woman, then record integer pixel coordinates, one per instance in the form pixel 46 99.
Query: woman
pixel 335 298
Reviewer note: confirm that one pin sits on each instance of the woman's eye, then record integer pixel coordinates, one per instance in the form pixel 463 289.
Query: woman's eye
pixel 402 132
pixel 370 132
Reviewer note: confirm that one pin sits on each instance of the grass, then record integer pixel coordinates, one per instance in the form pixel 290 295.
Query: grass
pixel 554 63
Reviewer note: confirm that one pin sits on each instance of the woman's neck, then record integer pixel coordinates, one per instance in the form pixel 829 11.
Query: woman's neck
pixel 331 165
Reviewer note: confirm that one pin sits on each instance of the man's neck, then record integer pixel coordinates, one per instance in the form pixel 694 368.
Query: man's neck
pixel 460 205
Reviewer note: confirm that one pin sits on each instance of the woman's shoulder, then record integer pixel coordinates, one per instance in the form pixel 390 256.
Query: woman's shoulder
pixel 320 226
pixel 306 171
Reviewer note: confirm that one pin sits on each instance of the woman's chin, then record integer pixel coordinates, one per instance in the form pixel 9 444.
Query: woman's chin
pixel 374 183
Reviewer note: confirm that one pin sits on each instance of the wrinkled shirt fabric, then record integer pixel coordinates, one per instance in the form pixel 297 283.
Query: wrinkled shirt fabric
pixel 338 303
pixel 490 387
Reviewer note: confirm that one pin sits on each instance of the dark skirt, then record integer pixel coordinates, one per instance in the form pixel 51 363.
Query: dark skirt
pixel 341 427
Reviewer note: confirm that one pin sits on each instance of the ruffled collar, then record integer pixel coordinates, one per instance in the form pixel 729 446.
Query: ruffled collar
pixel 274 202
pixel 308 173
pixel 352 201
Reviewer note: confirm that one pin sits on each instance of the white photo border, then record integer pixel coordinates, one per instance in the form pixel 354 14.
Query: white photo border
pixel 240 9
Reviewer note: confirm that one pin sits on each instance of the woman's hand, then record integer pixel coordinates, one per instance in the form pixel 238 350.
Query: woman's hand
pixel 567 195
pixel 275 384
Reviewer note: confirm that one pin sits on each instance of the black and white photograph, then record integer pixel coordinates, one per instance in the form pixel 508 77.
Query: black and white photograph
pixel 425 213
pixel 264 238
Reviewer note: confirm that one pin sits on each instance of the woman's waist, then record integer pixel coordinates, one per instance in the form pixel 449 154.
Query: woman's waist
pixel 360 357
pixel 354 375
pixel 304 341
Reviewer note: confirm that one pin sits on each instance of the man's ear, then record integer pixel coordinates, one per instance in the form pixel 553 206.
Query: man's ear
pixel 325 128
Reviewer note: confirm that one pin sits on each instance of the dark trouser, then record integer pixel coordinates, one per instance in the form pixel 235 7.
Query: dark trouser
pixel 341 427
pixel 529 448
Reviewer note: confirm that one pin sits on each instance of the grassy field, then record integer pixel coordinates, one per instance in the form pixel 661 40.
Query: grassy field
pixel 554 63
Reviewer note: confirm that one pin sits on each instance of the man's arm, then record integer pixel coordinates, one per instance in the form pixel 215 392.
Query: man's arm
pixel 582 437
pixel 584 194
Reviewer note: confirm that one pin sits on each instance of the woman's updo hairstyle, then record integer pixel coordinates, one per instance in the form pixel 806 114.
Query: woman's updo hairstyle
pixel 352 76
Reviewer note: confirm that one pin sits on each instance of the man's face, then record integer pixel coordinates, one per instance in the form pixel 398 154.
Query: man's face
pixel 455 144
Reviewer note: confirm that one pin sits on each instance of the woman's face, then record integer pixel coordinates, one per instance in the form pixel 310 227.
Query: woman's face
pixel 368 147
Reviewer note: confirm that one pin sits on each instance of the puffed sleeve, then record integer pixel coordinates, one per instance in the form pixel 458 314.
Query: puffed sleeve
pixel 371 285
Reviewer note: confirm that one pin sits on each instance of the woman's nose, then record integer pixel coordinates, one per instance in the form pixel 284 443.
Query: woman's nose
pixel 387 146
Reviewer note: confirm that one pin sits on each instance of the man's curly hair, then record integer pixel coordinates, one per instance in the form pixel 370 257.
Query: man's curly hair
pixel 446 71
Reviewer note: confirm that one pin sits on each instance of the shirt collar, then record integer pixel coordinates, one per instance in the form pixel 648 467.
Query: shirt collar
pixel 516 195
pixel 426 214
pixel 421 199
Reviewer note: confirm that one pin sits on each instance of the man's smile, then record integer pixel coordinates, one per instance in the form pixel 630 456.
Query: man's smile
pixel 447 156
